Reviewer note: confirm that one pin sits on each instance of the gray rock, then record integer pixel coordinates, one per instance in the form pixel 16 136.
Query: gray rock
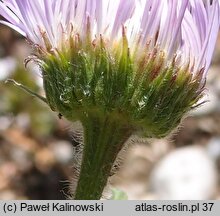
pixel 63 151
pixel 213 148
pixel 210 105
pixel 7 65
pixel 186 173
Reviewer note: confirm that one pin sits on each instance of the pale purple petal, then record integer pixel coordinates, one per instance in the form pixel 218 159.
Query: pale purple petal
pixel 211 36
pixel 187 28
pixel 13 27
pixel 124 12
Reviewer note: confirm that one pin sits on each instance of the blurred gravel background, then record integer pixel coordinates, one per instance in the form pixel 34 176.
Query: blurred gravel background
pixel 37 148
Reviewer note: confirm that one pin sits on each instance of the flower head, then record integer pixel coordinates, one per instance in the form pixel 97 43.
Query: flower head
pixel 143 60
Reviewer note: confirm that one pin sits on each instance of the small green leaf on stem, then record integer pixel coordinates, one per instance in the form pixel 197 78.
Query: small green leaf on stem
pixel 26 89
pixel 118 195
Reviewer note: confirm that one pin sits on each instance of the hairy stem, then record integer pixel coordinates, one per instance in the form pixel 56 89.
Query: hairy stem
pixel 103 139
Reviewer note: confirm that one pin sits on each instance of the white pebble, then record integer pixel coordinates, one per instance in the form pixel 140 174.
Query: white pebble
pixel 186 173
